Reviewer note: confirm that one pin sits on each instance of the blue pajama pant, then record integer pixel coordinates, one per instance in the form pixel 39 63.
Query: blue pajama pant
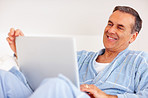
pixel 59 87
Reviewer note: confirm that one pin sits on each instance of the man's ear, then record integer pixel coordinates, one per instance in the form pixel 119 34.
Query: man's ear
pixel 133 37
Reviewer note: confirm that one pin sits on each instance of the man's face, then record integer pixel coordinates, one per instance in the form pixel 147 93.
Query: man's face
pixel 117 34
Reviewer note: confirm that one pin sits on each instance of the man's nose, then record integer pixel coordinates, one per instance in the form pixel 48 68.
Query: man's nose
pixel 112 29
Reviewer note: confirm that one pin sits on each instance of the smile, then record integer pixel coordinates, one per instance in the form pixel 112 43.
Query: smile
pixel 111 38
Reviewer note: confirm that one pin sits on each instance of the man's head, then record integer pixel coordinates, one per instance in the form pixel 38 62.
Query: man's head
pixel 138 22
pixel 122 29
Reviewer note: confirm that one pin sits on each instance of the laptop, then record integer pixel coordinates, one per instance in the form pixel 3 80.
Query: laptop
pixel 46 57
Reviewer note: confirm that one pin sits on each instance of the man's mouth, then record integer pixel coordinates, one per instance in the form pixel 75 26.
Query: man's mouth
pixel 111 38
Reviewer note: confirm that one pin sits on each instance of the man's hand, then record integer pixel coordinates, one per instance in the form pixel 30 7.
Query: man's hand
pixel 11 38
pixel 94 92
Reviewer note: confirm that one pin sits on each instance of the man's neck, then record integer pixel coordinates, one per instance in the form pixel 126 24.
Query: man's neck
pixel 107 57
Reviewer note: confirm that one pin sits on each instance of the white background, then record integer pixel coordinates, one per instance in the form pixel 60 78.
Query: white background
pixel 83 19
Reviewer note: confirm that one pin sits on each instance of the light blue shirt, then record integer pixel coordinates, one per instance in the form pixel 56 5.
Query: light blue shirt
pixel 126 76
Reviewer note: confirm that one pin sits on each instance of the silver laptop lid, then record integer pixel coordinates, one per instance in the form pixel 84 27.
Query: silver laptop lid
pixel 46 57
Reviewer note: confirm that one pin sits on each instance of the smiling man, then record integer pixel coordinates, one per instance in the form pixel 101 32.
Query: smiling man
pixel 125 72
pixel 113 72
pixel 118 35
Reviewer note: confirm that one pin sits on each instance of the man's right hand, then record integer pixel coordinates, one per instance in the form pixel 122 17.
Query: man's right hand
pixel 11 38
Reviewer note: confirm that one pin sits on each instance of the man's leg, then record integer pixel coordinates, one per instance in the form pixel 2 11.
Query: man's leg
pixel 12 87
pixel 58 88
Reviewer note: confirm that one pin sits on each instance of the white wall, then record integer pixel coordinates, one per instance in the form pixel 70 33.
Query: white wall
pixel 84 19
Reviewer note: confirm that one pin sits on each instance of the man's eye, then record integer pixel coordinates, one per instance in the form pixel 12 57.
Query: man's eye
pixel 109 24
pixel 120 28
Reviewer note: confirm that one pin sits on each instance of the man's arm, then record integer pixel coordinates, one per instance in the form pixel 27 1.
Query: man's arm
pixel 11 38
pixel 94 92
pixel 141 82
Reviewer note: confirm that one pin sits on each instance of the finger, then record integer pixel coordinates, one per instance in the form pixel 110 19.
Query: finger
pixel 18 32
pixel 93 86
pixel 11 38
pixel 12 45
pixel 21 33
pixel 12 30
pixel 88 91
pixel 9 41
pixel 84 86
pixel 91 89
pixel 10 34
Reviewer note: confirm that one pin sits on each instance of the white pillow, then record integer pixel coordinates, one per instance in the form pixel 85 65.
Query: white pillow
pixel 7 62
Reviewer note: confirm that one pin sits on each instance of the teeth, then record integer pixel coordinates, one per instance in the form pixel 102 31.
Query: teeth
pixel 110 38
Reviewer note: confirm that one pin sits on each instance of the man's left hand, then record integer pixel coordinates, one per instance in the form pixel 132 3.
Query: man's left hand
pixel 95 92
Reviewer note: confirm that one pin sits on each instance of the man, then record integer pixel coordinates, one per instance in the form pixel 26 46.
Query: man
pixel 113 72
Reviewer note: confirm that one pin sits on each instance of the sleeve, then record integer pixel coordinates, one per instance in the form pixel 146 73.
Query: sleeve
pixel 141 80
pixel 79 54
pixel 141 89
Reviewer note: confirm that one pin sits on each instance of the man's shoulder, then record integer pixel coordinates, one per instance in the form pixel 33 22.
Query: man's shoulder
pixel 86 53
pixel 141 60
pixel 138 54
